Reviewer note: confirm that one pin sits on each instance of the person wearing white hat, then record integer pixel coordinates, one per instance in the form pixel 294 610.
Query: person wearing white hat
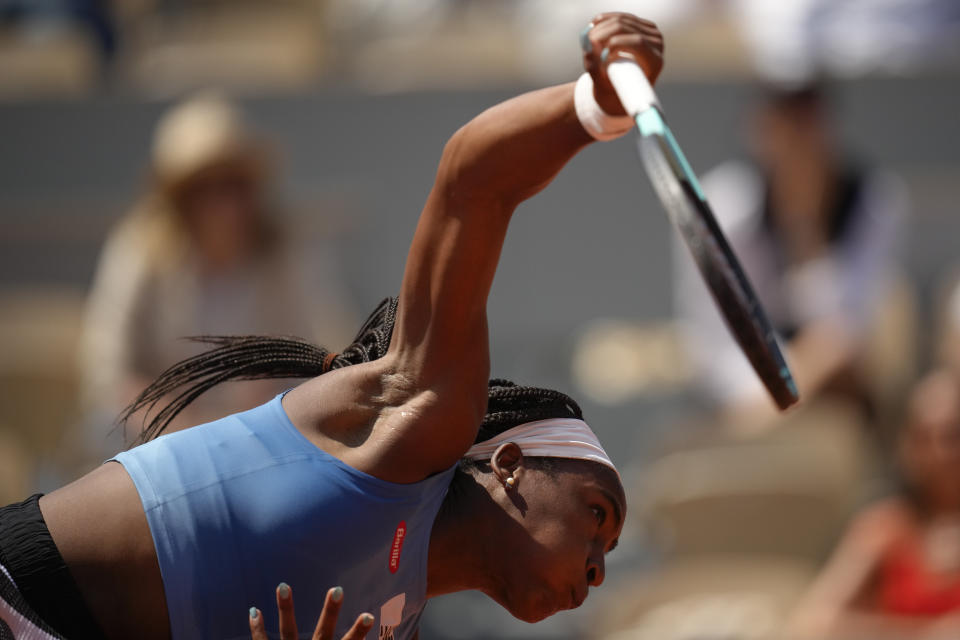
pixel 204 251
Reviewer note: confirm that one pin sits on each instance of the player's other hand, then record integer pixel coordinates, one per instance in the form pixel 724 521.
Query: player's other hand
pixel 619 34
pixel 325 625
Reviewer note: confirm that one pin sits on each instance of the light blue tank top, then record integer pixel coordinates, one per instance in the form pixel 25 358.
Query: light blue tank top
pixel 238 505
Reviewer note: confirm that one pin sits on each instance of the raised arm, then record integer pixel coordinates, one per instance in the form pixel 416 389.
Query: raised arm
pixel 502 157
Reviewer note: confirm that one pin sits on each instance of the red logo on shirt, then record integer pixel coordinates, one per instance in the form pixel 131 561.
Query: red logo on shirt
pixel 397 546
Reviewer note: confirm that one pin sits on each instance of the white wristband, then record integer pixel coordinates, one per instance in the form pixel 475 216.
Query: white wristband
pixel 597 122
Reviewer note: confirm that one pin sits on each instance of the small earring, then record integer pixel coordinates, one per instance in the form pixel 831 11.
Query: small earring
pixel 510 482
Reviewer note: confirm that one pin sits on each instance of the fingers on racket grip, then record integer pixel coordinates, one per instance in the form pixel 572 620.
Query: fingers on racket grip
pixel 632 87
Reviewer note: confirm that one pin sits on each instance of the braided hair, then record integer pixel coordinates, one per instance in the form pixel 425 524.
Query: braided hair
pixel 263 357
pixel 510 405
pixel 253 358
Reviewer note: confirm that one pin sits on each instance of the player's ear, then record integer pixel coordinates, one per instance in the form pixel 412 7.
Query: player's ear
pixel 507 464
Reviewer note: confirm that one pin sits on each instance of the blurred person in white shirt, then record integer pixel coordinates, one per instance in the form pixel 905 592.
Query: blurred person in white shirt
pixel 818 236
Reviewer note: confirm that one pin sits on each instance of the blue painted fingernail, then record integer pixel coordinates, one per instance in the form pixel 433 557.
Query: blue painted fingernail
pixel 585 38
pixel 254 614
pixel 337 594
pixel 366 620
pixel 604 55
pixel 284 590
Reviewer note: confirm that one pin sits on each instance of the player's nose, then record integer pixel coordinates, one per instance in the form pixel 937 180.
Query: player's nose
pixel 596 570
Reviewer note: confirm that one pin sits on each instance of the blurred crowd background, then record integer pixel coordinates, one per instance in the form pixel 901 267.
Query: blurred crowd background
pixel 171 168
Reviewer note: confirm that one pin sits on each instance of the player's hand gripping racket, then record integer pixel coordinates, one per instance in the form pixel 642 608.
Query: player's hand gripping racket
pixel 679 191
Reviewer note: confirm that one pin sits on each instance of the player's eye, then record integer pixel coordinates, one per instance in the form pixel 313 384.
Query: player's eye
pixel 600 514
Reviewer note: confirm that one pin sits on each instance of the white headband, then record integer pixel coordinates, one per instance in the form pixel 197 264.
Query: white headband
pixel 555 438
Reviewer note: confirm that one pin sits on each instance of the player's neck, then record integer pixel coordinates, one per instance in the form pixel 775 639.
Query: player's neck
pixel 458 558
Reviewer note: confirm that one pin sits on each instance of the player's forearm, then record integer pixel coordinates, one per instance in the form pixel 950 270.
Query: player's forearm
pixel 513 150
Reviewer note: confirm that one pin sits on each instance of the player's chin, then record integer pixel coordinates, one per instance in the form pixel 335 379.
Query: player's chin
pixel 544 605
pixel 533 616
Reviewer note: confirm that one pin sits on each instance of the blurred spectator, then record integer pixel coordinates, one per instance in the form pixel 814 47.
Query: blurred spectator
pixel 94 16
pixel 791 39
pixel 949 339
pixel 788 40
pixel 203 252
pixel 896 572
pixel 817 235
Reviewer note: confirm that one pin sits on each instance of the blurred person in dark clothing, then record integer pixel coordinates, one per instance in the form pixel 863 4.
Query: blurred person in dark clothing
pixel 96 17
pixel 817 235
pixel 896 571
pixel 202 252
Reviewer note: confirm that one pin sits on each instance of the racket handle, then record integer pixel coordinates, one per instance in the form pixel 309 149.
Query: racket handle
pixel 632 87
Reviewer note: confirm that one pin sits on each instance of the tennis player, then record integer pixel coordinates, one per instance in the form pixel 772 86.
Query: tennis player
pixel 400 477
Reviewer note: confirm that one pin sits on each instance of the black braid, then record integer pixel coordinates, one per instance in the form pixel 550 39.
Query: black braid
pixel 263 357
pixel 373 339
pixel 510 405
pixel 253 358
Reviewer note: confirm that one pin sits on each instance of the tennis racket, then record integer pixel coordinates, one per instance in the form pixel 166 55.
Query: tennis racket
pixel 679 191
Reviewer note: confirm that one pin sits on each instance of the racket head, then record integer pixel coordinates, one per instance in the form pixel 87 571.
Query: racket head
pixel 679 191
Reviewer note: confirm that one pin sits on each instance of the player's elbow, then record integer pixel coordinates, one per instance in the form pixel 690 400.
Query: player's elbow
pixel 469 173
pixel 460 171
